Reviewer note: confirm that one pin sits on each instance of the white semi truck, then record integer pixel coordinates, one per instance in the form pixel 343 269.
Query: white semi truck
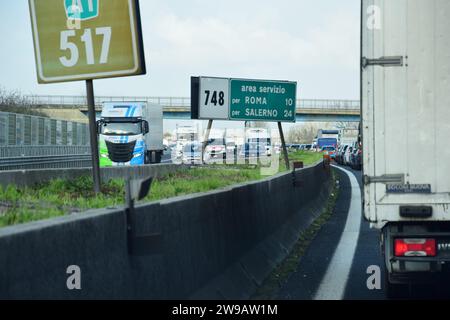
pixel 260 137
pixel 405 92
pixel 130 133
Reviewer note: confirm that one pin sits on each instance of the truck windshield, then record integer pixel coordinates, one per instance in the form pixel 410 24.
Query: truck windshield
pixel 325 142
pixel 121 128
pixel 259 140
pixel 193 147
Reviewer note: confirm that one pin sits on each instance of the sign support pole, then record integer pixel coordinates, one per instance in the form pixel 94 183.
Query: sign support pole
pixel 93 135
pixel 283 143
pixel 205 142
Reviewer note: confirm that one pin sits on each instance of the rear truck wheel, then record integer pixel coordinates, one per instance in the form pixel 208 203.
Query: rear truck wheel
pixel 154 157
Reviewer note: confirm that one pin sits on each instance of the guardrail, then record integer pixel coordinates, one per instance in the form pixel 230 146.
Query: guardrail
pixel 46 162
pixel 182 102
pixel 40 151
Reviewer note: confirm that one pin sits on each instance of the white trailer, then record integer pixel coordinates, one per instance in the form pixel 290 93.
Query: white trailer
pixel 405 93
pixel 154 140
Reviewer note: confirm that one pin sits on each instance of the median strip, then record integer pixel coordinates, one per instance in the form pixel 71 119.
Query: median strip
pixel 62 197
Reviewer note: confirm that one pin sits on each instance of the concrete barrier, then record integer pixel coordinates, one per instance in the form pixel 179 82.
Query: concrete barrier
pixel 24 178
pixel 220 244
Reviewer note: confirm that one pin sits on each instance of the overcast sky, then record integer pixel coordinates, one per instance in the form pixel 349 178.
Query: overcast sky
pixel 314 42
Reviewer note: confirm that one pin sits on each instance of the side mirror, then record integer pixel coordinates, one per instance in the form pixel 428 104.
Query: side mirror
pixel 99 126
pixel 145 127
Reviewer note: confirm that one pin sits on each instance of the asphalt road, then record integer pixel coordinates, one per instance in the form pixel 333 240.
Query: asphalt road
pixel 336 263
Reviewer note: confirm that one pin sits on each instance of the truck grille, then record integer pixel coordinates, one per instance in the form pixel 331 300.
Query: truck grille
pixel 120 152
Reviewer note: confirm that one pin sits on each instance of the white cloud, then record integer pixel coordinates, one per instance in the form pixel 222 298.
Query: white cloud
pixel 215 41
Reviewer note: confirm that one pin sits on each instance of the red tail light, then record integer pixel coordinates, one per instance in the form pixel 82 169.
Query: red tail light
pixel 415 247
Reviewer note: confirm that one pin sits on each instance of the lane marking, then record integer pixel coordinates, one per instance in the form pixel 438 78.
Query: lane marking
pixel 335 280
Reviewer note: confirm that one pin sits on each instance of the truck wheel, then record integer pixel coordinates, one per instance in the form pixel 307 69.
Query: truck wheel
pixel 158 156
pixel 153 157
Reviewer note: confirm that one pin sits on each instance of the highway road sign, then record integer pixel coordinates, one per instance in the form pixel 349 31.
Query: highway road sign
pixel 86 39
pixel 257 100
pixel 243 100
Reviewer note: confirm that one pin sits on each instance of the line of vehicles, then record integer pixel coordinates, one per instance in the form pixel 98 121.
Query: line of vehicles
pixel 222 145
pixel 131 133
pixel 349 155
pixel 339 145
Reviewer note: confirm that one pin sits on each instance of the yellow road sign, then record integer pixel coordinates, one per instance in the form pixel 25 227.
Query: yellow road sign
pixel 86 39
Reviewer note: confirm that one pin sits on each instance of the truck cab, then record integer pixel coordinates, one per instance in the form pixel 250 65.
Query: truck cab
pixel 125 135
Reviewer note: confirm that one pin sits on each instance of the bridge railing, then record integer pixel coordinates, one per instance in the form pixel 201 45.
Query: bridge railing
pixel 180 102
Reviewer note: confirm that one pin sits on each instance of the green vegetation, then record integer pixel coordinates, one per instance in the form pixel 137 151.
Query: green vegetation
pixel 307 157
pixel 271 286
pixel 59 197
pixel 16 102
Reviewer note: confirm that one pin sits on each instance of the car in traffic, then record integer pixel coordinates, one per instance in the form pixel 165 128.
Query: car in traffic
pixel 216 149
pixel 192 153
pixel 340 153
pixel 356 158
pixel 294 147
pixel 347 156
pixel 329 150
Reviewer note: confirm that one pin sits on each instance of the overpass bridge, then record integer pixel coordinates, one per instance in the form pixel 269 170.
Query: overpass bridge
pixel 308 110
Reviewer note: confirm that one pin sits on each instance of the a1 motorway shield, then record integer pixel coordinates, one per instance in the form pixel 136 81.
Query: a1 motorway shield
pixel 255 100
pixel 86 39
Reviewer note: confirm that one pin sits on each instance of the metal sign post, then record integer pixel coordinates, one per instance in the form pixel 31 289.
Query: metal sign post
pixel 283 144
pixel 93 135
pixel 205 142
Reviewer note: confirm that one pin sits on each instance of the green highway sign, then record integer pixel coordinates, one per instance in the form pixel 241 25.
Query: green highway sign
pixel 86 39
pixel 258 100
pixel 243 100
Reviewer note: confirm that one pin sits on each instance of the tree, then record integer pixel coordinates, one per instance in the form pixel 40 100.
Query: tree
pixel 16 102
pixel 302 134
